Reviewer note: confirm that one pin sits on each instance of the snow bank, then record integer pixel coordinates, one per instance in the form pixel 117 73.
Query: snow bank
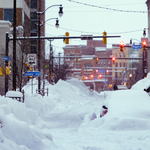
pixel 142 84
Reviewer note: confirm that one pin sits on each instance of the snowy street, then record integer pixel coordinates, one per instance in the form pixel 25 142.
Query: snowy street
pixel 69 119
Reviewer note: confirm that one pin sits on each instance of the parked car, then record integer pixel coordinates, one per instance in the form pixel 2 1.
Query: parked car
pixel 104 110
pixel 126 103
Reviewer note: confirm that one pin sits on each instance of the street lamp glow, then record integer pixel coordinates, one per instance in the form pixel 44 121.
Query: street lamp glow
pixel 130 75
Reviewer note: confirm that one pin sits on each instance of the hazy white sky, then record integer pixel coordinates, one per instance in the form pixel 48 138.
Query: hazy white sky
pixel 79 19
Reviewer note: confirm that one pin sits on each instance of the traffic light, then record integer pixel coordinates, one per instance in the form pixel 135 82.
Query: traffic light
pixel 76 60
pixel 2 71
pixel 86 78
pixel 91 76
pixel 67 40
pixel 113 60
pixel 96 60
pixel 144 46
pixel 8 70
pixel 27 67
pixel 100 76
pixel 121 46
pixel 104 38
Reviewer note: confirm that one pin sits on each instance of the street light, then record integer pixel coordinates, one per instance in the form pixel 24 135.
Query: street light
pixel 39 30
pixel 56 24
pixel 130 76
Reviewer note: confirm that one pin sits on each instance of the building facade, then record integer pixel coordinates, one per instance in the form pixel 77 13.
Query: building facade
pixel 26 25
pixel 83 64
pixel 26 17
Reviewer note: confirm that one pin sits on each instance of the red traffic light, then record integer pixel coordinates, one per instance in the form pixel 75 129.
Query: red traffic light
pixel 113 59
pixel 144 43
pixel 100 76
pixel 121 46
pixel 121 43
pixel 86 78
pixel 91 76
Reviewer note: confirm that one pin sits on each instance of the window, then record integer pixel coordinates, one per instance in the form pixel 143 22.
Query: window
pixel 33 26
pixel 33 4
pixel 8 14
pixel 33 15
pixel 33 49
pixel 79 66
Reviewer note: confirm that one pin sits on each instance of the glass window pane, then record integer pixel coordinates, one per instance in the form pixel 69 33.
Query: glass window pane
pixel 33 26
pixel 33 4
pixel 33 49
pixel 8 14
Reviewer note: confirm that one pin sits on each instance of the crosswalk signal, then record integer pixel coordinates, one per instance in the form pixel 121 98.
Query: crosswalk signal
pixel 144 46
pixel 104 38
pixel 67 40
pixel 121 46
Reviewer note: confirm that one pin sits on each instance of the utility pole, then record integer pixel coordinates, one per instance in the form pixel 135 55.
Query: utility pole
pixel 59 59
pixel 50 62
pixel 39 50
pixel 6 63
pixel 14 48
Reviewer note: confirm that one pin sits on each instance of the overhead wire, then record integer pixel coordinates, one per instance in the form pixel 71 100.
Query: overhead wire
pixel 72 30
pixel 106 8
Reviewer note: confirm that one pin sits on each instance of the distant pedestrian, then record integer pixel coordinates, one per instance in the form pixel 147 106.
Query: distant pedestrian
pixel 115 87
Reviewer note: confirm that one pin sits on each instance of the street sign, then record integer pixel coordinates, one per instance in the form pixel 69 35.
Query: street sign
pixel 32 59
pixel 6 58
pixel 136 46
pixel 102 71
pixel 34 73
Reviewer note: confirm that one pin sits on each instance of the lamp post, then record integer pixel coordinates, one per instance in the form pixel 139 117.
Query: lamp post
pixel 130 76
pixel 39 44
pixel 14 48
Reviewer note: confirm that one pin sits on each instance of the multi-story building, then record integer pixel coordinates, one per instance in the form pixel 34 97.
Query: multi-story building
pixel 26 17
pixel 84 66
pixel 26 23
pixel 37 6
pixel 126 69
pixel 119 67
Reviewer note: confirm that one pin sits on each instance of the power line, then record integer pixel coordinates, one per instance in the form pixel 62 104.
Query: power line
pixel 72 30
pixel 106 8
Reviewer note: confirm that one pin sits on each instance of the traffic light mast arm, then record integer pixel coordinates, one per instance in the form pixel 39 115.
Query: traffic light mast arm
pixel 63 37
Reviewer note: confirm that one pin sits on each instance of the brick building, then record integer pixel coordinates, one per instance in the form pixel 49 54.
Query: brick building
pixel 26 17
pixel 93 74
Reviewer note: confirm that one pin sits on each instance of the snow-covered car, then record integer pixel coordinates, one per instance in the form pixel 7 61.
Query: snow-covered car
pixel 126 103
pixel 104 110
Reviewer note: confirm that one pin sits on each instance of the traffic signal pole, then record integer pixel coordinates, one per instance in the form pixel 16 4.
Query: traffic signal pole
pixel 14 48
pixel 6 63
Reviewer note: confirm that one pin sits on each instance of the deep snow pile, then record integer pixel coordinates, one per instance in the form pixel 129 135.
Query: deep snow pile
pixel 68 118
pixel 21 124
pixel 142 84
